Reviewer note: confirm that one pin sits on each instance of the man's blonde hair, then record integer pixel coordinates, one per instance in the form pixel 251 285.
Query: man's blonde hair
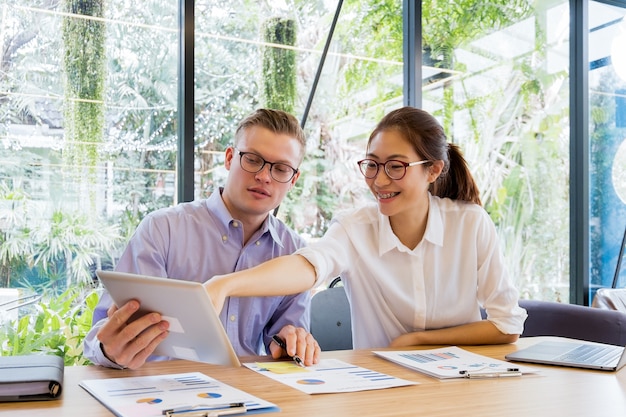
pixel 276 121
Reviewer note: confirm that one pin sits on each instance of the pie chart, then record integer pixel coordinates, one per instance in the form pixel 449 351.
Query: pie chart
pixel 309 381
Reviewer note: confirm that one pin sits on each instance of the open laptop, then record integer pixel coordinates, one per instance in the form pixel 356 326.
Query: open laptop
pixel 195 333
pixel 573 353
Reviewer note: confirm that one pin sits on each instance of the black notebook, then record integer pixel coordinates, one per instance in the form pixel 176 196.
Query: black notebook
pixel 30 377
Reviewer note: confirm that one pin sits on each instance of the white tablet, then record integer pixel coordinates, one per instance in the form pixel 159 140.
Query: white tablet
pixel 195 333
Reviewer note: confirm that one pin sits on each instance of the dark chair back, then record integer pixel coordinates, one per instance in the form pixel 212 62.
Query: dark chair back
pixel 331 324
pixel 548 318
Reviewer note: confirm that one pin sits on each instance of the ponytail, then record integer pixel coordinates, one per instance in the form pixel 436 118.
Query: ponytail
pixel 457 183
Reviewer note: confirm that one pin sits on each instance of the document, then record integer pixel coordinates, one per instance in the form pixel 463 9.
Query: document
pixel 328 376
pixel 154 396
pixel 454 362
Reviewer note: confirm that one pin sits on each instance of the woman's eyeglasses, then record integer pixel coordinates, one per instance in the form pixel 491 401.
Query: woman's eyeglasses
pixel 396 170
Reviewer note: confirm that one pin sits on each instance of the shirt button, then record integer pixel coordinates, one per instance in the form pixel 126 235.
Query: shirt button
pixel 257 243
pixel 232 318
pixel 235 224
pixel 224 238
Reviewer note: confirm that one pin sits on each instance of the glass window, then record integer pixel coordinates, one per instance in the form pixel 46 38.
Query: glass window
pixel 267 54
pixel 498 82
pixel 88 111
pixel 607 141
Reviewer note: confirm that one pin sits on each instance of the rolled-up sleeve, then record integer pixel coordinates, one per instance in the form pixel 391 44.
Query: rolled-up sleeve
pixel 328 255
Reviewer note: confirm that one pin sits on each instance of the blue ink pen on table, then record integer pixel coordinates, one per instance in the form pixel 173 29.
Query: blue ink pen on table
pixel 280 342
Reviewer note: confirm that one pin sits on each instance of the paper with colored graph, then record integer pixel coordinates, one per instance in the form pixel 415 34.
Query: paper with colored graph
pixel 452 362
pixel 148 396
pixel 328 376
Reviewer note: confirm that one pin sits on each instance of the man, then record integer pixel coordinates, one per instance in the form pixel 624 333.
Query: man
pixel 229 231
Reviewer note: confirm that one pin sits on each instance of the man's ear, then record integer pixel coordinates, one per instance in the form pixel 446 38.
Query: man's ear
pixel 229 154
pixel 294 179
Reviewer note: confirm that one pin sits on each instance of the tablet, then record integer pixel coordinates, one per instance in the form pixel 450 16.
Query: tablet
pixel 195 333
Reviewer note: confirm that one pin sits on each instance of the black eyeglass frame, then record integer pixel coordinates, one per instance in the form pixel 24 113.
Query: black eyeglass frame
pixel 271 164
pixel 385 167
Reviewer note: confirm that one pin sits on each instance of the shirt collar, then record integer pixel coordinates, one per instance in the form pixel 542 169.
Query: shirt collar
pixel 433 233
pixel 434 225
pixel 215 205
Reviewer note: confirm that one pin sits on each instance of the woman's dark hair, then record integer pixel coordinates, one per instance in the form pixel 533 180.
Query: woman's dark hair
pixel 428 139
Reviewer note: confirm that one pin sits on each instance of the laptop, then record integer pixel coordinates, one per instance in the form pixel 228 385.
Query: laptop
pixel 577 354
pixel 195 333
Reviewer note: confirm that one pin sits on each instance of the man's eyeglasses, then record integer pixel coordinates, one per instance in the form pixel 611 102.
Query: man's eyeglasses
pixel 396 170
pixel 253 163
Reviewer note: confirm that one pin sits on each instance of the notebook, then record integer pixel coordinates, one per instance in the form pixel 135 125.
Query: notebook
pixel 573 353
pixel 31 377
pixel 195 333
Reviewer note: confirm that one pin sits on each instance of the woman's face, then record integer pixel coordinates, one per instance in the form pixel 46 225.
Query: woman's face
pixel 398 196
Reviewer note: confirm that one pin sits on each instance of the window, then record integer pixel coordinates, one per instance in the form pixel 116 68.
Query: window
pixel 90 163
pixel 88 132
pixel 90 141
pixel 607 141
pixel 501 91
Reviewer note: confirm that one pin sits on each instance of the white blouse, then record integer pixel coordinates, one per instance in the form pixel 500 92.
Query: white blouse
pixel 456 269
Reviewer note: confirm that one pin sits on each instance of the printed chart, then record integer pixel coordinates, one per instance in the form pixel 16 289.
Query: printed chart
pixel 453 362
pixel 328 376
pixel 149 396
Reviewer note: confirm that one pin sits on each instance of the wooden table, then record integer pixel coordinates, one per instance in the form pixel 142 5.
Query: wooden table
pixel 554 392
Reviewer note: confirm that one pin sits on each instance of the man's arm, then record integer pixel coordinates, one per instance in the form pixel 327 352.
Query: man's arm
pixel 111 342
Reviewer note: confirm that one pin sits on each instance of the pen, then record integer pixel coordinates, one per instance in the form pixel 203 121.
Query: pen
pixel 498 374
pixel 206 410
pixel 280 342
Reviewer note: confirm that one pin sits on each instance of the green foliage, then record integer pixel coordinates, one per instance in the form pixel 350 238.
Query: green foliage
pixel 57 326
pixel 84 64
pixel 279 64
pixel 447 25
pixel 513 137
pixel 380 23
pixel 62 250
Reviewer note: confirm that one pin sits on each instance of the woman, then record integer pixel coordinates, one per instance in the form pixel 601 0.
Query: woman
pixel 419 264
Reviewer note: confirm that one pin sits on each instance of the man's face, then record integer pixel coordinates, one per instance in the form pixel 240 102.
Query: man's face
pixel 250 195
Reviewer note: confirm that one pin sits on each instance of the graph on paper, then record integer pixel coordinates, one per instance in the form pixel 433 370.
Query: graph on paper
pixel 448 362
pixel 328 376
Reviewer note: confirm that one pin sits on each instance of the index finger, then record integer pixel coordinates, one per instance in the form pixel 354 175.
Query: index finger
pixel 121 315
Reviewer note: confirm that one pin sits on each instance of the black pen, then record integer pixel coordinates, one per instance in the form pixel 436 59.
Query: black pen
pixel 280 342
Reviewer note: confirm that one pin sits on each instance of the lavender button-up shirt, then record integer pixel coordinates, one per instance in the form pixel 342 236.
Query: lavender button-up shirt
pixel 197 240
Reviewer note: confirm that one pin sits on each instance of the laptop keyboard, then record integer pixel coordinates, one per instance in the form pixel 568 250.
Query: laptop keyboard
pixel 591 354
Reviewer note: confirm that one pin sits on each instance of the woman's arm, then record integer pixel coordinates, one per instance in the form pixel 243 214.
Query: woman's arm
pixel 284 275
pixel 478 333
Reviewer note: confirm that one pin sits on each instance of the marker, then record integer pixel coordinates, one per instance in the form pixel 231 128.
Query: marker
pixel 280 342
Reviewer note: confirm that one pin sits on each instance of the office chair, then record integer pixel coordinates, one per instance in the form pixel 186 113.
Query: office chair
pixel 610 299
pixel 548 318
pixel 331 324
